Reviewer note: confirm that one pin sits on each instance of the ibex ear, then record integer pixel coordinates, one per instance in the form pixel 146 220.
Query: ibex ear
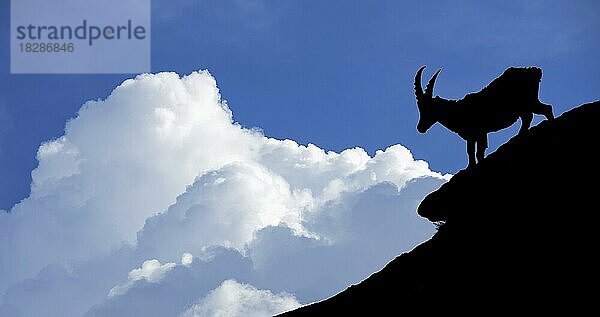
pixel 430 84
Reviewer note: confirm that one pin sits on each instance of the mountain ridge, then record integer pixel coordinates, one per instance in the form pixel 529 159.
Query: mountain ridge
pixel 517 232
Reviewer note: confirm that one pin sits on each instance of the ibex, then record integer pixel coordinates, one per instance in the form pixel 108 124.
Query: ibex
pixel 509 97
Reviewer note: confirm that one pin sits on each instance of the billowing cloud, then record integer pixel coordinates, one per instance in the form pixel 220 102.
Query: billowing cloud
pixel 232 299
pixel 159 171
pixel 178 286
pixel 151 271
pixel 120 161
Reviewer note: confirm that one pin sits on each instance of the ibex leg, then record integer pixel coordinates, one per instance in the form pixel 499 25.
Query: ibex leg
pixel 543 109
pixel 471 152
pixel 482 144
pixel 525 122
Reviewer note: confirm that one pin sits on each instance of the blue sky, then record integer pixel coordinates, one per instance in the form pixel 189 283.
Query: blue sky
pixel 336 74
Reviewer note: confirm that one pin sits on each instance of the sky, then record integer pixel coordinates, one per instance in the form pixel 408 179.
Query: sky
pixel 334 74
pixel 147 200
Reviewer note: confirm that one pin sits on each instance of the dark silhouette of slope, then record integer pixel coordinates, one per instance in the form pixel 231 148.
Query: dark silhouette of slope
pixel 519 234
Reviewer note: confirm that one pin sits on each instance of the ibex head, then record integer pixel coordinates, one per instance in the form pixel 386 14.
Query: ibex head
pixel 425 101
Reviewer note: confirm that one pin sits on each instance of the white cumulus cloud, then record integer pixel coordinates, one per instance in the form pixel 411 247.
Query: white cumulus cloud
pixel 233 299
pixel 187 259
pixel 159 170
pixel 151 271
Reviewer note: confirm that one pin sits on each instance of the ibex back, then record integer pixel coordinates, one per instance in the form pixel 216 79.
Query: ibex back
pixel 509 97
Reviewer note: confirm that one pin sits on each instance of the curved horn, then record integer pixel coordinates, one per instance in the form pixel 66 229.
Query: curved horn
pixel 431 83
pixel 418 88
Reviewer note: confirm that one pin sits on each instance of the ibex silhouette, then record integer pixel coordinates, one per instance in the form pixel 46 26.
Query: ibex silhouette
pixel 507 98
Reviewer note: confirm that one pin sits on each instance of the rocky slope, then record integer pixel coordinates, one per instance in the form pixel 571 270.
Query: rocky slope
pixel 518 233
